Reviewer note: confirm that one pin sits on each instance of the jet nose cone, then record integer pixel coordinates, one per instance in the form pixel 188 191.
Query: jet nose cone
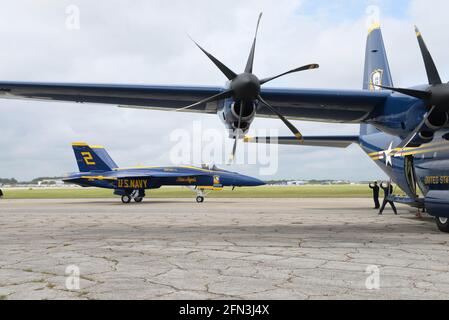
pixel 257 182
pixel 252 182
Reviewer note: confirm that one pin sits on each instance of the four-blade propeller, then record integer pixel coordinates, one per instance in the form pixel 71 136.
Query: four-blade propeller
pixel 436 96
pixel 245 87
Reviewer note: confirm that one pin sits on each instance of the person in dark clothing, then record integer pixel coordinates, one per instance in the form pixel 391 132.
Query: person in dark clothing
pixel 376 190
pixel 388 190
pixel 1 193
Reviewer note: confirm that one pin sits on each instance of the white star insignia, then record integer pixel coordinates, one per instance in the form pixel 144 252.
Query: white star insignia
pixel 388 156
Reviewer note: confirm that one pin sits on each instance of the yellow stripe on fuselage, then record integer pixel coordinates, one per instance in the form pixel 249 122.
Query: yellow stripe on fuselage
pixel 210 188
pixel 98 178
pixel 398 152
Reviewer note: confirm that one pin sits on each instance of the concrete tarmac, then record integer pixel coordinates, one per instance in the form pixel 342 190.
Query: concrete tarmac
pixel 221 249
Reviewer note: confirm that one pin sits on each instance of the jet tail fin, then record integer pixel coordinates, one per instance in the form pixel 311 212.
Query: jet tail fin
pixel 101 152
pixel 92 158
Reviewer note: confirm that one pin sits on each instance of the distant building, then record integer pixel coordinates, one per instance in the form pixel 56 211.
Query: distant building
pixel 296 183
pixel 50 182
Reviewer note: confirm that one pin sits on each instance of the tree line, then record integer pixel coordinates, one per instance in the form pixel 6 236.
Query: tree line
pixel 13 181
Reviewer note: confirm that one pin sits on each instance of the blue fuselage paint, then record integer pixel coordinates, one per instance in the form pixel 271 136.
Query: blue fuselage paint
pixel 429 164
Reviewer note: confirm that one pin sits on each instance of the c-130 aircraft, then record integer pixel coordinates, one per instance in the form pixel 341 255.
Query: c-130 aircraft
pixel 405 131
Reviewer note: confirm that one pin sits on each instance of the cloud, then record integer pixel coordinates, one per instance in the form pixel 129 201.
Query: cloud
pixel 146 42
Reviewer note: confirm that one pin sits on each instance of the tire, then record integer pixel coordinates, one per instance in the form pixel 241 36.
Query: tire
pixel 443 224
pixel 138 199
pixel 200 199
pixel 126 199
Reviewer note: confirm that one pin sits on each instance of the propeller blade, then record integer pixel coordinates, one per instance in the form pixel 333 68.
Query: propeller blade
pixel 412 135
pixel 303 68
pixel 231 75
pixel 250 63
pixel 431 69
pixel 424 95
pixel 234 149
pixel 220 96
pixel 292 128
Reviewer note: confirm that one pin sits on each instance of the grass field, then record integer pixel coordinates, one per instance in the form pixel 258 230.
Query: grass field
pixel 334 191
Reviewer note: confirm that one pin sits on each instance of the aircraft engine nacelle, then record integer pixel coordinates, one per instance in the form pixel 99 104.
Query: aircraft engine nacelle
pixel 435 122
pixel 230 116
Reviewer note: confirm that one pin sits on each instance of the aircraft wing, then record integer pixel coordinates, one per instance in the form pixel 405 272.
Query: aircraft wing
pixel 317 141
pixel 349 106
pixel 324 105
pixel 132 96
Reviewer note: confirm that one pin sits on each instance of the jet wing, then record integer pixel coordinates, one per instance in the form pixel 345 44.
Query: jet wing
pixel 349 106
pixel 317 141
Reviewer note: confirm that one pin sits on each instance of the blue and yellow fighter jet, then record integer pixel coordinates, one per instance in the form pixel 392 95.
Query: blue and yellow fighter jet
pixel 97 169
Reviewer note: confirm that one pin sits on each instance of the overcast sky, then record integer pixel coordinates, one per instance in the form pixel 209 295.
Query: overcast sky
pixel 145 42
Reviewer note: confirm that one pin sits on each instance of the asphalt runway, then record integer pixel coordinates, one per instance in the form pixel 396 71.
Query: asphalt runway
pixel 221 249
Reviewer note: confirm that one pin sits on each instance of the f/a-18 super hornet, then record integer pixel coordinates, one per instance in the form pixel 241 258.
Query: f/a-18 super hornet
pixel 97 169
pixel 405 131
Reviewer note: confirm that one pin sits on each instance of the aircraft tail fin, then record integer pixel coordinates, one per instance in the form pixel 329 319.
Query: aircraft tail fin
pixel 101 152
pixel 92 158
pixel 377 68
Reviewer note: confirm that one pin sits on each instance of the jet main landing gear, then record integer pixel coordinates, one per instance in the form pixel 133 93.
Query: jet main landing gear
pixel 137 195
pixel 126 199
pixel 443 224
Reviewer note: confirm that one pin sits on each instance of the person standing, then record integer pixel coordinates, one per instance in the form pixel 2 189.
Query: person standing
pixel 376 191
pixel 388 190
pixel 1 193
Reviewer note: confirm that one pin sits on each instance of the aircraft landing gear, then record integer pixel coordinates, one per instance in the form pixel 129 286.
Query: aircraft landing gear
pixel 126 199
pixel 443 224
pixel 136 195
pixel 199 195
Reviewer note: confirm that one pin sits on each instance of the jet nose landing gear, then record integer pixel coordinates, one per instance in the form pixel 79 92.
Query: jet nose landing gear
pixel 200 195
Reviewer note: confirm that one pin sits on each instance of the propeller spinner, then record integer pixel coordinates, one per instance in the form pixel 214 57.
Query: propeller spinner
pixel 247 87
